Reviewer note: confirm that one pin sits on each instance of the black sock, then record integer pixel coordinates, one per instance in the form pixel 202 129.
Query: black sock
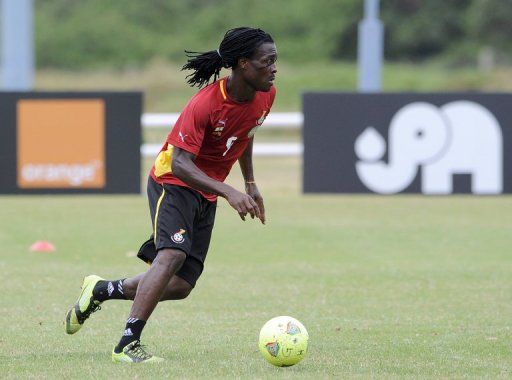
pixel 109 290
pixel 131 332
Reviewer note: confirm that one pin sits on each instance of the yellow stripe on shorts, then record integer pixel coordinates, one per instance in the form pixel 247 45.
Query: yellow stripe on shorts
pixel 156 213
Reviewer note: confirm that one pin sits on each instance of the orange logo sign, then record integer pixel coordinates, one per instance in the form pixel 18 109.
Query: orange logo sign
pixel 61 143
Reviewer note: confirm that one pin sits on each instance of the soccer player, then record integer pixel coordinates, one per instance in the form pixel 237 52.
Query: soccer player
pixel 215 129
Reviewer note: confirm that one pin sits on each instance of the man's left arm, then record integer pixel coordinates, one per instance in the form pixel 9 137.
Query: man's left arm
pixel 251 189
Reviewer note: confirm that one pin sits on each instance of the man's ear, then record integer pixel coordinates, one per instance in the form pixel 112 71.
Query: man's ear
pixel 243 62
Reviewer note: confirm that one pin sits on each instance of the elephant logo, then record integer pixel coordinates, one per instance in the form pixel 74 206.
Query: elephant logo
pixel 461 137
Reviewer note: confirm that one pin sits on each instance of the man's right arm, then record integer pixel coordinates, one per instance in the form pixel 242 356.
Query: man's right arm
pixel 184 168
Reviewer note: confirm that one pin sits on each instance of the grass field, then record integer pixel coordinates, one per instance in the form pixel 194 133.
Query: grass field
pixel 388 287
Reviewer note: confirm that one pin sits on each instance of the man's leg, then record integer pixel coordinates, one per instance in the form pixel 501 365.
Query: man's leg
pixel 96 290
pixel 149 291
pixel 176 289
pixel 126 289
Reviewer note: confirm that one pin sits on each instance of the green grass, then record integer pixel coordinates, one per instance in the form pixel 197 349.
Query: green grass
pixel 388 287
pixel 166 90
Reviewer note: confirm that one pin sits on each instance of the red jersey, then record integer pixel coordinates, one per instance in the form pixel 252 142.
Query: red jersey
pixel 216 129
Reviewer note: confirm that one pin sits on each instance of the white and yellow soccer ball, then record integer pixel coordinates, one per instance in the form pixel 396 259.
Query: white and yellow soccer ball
pixel 283 341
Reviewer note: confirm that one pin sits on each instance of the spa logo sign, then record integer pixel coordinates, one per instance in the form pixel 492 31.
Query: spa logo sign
pixel 413 143
pixel 437 142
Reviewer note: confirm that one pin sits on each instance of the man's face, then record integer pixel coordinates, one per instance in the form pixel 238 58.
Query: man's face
pixel 260 70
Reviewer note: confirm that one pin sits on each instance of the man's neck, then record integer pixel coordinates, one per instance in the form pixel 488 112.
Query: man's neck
pixel 239 90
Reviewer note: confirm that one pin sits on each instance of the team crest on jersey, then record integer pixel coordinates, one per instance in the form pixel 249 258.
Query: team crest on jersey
pixel 178 236
pixel 217 130
pixel 258 123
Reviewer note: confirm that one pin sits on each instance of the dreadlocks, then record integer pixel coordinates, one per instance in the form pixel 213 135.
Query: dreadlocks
pixel 237 43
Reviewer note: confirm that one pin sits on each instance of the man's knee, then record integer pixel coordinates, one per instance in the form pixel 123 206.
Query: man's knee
pixel 182 293
pixel 178 288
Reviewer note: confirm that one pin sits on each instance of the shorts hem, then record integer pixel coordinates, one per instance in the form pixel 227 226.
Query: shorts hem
pixel 172 247
pixel 188 281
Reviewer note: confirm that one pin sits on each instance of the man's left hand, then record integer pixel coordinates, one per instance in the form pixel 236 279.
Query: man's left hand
pixel 252 190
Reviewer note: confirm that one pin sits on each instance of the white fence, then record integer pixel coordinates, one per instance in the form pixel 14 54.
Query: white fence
pixel 284 120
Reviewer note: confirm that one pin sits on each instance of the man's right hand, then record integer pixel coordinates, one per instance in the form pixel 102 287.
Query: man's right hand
pixel 243 204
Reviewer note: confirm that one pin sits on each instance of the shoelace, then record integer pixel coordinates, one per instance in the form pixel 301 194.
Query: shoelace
pixel 139 352
pixel 87 313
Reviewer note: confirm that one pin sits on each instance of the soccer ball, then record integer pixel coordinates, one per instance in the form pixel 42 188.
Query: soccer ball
pixel 283 341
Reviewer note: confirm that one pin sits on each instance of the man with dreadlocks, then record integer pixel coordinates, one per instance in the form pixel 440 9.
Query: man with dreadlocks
pixel 215 129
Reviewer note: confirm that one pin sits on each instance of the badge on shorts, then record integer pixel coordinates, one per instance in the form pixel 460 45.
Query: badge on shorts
pixel 178 236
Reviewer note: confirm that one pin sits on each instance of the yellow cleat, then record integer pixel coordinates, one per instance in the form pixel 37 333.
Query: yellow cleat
pixel 84 306
pixel 134 352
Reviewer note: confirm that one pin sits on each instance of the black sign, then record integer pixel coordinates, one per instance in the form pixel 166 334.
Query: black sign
pixel 407 143
pixel 70 142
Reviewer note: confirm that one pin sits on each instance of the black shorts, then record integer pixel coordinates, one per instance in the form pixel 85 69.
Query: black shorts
pixel 182 219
